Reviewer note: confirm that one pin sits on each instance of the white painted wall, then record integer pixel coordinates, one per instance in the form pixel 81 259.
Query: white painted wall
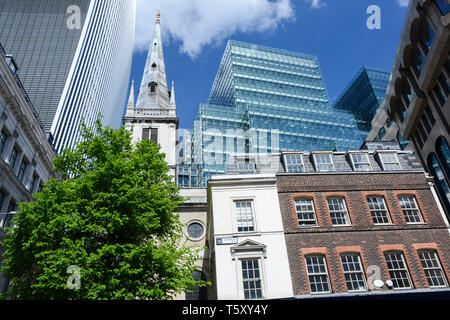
pixel 224 190
pixel 167 137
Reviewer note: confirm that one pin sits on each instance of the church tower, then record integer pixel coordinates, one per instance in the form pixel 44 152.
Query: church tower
pixel 154 114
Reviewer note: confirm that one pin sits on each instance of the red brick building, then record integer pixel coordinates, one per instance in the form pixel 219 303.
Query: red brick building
pixel 356 217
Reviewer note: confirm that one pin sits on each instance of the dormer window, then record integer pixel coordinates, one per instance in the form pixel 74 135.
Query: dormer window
pixel 323 162
pixel 245 167
pixel 293 162
pixel 152 87
pixel 360 161
pixel 389 160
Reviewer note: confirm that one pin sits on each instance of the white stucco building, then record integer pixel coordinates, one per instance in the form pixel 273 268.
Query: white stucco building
pixel 246 239
pixel 25 154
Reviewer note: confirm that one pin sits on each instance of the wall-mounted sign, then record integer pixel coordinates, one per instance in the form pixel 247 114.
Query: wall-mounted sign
pixel 226 240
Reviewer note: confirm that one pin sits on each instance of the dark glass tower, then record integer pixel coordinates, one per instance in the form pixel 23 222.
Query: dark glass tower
pixel 363 96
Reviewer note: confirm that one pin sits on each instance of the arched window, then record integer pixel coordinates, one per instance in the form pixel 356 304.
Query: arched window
pixel 198 293
pixel 152 87
pixel 401 109
pixel 441 182
pixel 443 151
pixel 418 60
pixel 426 35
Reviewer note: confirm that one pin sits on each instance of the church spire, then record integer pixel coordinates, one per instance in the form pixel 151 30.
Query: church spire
pixel 130 104
pixel 153 93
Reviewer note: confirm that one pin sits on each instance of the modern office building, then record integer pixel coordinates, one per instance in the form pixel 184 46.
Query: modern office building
pixel 74 59
pixel 363 96
pixel 417 96
pixel 25 154
pixel 266 100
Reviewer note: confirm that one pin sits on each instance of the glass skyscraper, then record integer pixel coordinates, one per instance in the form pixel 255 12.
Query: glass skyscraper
pixel 363 96
pixel 74 59
pixel 265 100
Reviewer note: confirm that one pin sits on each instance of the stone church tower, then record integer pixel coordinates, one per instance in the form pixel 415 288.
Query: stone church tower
pixel 154 115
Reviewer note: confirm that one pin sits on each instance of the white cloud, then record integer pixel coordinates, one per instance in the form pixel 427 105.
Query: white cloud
pixel 316 4
pixel 198 23
pixel 403 3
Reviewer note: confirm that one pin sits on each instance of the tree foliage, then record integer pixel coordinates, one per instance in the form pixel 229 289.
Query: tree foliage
pixel 112 215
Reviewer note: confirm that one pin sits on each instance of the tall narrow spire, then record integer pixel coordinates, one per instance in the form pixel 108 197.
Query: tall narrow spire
pixel 172 96
pixel 130 103
pixel 153 93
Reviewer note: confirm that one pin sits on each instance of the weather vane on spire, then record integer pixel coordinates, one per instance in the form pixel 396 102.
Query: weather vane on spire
pixel 158 17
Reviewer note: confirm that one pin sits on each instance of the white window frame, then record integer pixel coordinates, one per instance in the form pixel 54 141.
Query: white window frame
pixel 260 278
pixel 313 212
pixel 438 267
pixel 384 163
pixel 347 215
pixel 330 155
pixel 294 154
pixel 199 222
pixel 322 256
pixel 416 208
pixel 361 271
pixel 246 167
pixel 403 269
pixel 362 163
pixel 385 209
pixel 252 206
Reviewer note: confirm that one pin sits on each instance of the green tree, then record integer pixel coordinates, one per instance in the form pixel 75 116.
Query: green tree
pixel 112 216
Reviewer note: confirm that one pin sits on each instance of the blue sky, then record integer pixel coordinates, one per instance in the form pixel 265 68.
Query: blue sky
pixel 195 36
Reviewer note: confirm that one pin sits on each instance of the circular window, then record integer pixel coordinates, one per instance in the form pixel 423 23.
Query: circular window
pixel 154 65
pixel 195 230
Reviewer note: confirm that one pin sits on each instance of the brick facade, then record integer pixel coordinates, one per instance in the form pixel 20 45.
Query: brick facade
pixel 370 241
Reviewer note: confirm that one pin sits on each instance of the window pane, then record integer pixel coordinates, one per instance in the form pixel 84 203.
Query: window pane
pixel 195 230
pixel 338 211
pixel 410 209
pixel 353 271
pixel 324 162
pixel 305 212
pixel 294 163
pixel 378 210
pixel 361 162
pixel 432 267
pixel 3 138
pixel 317 274
pixel 397 270
pixel 244 216
pixel 251 279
